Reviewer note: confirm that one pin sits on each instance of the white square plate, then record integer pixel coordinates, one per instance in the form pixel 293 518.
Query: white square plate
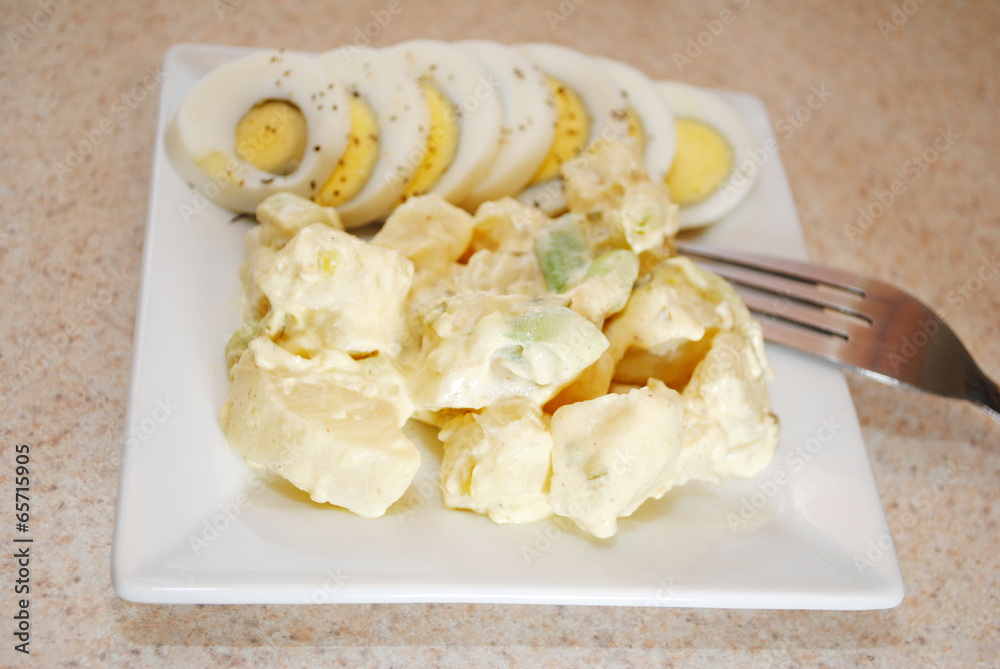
pixel 196 524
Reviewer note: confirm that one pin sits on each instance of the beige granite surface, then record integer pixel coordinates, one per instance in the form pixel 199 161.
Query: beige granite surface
pixel 898 74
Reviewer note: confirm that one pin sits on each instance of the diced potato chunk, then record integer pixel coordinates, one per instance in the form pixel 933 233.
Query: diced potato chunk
pixel 612 453
pixel 668 324
pixel 330 425
pixel 498 462
pixel 329 289
pixel 506 225
pixel 727 413
pixel 288 214
pixel 428 231
pixel 509 272
pixel 625 209
pixel 281 216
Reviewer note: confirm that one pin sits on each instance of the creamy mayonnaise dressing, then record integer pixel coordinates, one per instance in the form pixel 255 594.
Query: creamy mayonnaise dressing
pixel 574 366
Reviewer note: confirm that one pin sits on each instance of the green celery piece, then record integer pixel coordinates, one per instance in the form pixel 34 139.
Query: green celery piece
pixel 238 343
pixel 562 252
pixel 550 345
pixel 618 261
pixel 536 326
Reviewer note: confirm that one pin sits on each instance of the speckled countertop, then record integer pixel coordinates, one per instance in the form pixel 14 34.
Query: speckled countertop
pixel 898 74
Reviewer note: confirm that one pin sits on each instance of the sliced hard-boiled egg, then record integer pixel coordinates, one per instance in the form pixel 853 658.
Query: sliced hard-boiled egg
pixel 388 135
pixel 465 117
pixel 253 127
pixel 272 136
pixel 570 132
pixel 581 88
pixel 651 122
pixel 444 134
pixel 528 125
pixel 709 176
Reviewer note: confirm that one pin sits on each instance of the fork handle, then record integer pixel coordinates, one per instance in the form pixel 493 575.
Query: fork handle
pixel 984 392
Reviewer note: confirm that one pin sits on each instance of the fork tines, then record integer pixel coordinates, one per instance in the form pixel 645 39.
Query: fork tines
pixel 863 323
pixel 824 311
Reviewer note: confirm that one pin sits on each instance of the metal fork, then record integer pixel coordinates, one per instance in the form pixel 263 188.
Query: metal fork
pixel 861 323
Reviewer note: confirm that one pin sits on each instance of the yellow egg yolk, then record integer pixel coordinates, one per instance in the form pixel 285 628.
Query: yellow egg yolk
pixel 572 131
pixel 272 136
pixel 356 165
pixel 635 129
pixel 442 143
pixel 221 168
pixel 703 161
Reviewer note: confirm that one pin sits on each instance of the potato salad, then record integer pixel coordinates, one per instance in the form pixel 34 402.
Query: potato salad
pixel 573 366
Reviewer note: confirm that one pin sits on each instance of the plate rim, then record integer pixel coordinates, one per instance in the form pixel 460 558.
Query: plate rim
pixel 131 585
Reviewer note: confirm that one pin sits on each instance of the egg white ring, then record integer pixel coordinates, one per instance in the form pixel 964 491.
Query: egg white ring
pixel 599 94
pixel 549 197
pixel 207 118
pixel 403 121
pixel 658 124
pixel 699 104
pixel 528 122
pixel 473 93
